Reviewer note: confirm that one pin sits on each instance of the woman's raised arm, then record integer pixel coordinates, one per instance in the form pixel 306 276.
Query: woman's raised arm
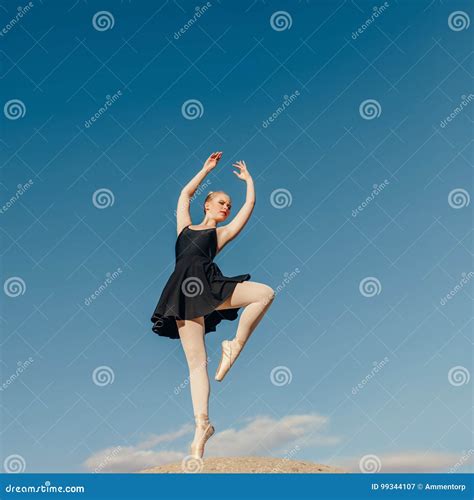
pixel 231 230
pixel 183 217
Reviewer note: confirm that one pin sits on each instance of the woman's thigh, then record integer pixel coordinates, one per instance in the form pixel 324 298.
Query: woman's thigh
pixel 191 333
pixel 245 293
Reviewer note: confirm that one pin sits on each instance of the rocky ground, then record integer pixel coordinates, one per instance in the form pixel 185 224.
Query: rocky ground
pixel 255 465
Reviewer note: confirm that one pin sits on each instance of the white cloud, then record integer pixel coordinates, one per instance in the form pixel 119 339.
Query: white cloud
pixel 264 435
pixel 406 461
pixel 260 435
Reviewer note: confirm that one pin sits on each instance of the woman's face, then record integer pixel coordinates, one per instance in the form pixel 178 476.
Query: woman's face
pixel 219 207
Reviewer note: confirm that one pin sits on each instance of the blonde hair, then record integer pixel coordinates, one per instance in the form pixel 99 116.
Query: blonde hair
pixel 209 196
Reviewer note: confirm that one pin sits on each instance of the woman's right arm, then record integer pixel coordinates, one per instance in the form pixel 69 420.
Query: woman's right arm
pixel 183 217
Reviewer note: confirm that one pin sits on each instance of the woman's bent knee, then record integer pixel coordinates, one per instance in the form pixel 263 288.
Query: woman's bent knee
pixel 268 294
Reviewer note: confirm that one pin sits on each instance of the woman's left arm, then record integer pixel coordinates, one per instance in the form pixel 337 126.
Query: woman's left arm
pixel 231 230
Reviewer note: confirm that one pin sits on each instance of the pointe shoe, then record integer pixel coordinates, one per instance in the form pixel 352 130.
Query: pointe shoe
pixel 202 422
pixel 229 354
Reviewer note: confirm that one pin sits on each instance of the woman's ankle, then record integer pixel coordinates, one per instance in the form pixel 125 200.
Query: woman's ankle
pixel 240 343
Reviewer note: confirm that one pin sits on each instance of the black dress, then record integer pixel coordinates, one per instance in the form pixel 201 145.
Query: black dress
pixel 196 286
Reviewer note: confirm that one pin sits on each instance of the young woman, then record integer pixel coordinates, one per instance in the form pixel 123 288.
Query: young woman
pixel 197 296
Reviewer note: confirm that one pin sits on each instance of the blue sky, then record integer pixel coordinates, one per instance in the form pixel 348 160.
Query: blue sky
pixel 359 360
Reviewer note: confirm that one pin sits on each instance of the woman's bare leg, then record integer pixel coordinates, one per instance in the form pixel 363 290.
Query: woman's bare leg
pixel 256 298
pixel 191 333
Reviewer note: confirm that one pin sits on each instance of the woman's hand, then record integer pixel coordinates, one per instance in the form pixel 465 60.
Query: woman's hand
pixel 212 161
pixel 244 173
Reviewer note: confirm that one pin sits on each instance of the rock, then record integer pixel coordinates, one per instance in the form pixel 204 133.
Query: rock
pixel 254 465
